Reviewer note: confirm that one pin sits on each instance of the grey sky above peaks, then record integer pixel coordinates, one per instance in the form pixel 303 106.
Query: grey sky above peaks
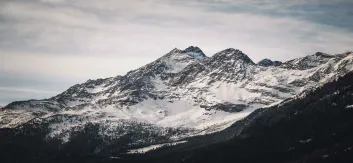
pixel 49 45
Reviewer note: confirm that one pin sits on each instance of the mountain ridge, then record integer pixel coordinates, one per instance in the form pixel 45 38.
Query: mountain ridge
pixel 182 89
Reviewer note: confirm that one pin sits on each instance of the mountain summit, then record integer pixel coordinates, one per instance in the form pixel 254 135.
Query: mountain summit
pixel 192 52
pixel 267 62
pixel 195 52
pixel 231 54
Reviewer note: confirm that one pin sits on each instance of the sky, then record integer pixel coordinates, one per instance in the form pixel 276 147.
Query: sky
pixel 48 45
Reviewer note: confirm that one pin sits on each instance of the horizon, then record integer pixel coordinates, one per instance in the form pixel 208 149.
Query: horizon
pixel 96 39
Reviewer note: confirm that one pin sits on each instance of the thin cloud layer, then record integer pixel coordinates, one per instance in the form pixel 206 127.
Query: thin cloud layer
pixel 83 39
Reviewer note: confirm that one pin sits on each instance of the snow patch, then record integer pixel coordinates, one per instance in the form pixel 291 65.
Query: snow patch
pixel 349 106
pixel 153 147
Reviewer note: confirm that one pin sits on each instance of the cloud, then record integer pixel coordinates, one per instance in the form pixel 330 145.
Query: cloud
pixel 14 87
pixel 26 90
pixel 117 27
pixel 68 66
pixel 10 94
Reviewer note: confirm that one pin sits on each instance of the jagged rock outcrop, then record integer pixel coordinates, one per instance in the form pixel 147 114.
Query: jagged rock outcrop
pixel 267 62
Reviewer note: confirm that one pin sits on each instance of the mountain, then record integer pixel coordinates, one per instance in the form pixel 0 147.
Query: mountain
pixel 182 94
pixel 267 62
pixel 312 127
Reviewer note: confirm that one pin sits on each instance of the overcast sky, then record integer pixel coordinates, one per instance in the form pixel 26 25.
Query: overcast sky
pixel 48 45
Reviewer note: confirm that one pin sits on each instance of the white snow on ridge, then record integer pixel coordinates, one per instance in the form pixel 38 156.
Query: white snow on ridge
pixel 9 119
pixel 179 61
pixel 159 84
pixel 197 56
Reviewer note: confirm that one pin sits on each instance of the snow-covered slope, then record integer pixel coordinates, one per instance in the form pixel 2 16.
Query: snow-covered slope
pixel 183 89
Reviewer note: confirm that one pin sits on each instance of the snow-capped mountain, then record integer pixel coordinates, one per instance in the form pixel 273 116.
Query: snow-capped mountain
pixel 181 94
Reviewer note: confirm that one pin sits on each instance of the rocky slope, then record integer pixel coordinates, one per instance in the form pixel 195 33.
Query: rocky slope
pixel 183 90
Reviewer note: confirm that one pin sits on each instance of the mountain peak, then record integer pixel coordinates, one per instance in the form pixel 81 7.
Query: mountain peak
pixel 267 63
pixel 232 54
pixel 323 55
pixel 194 51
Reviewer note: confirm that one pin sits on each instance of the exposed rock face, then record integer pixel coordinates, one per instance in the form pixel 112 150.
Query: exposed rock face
pixel 227 107
pixel 268 63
